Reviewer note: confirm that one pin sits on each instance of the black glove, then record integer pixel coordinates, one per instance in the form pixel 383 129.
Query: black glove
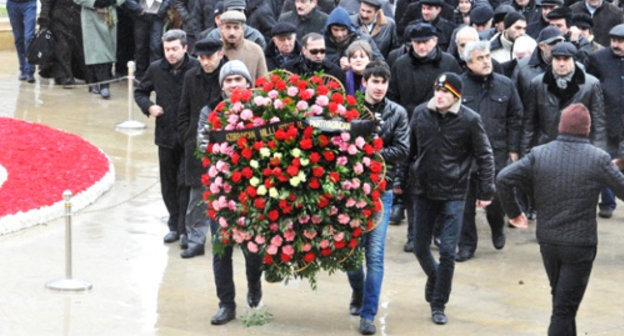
pixel 363 127
pixel 104 3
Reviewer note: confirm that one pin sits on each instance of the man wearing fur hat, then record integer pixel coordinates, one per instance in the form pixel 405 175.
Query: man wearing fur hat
pixel 372 21
pixel 233 75
pixel 562 84
pixel 446 137
pixel 566 176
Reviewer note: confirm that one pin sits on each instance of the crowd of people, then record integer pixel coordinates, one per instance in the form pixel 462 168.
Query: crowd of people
pixel 465 91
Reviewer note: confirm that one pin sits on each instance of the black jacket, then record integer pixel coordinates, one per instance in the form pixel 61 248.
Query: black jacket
pixel 412 78
pixel 527 71
pixel 200 89
pixel 442 149
pixel 303 66
pixel 314 22
pixel 444 26
pixel 384 32
pixel 274 60
pixel 495 98
pixel 203 15
pixel 543 109
pixel 533 29
pixel 566 176
pixel 395 135
pixel 605 17
pixel 260 16
pixel 609 69
pixel 167 82
pixel 185 8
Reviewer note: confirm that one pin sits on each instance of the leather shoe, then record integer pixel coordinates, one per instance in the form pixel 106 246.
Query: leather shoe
pixel 105 93
pixel 409 246
pixel 499 241
pixel 254 294
pixel 183 241
pixel 464 255
pixel 397 214
pixel 429 287
pixel 30 78
pixel 95 89
pixel 355 307
pixel 171 237
pixel 438 316
pixel 367 327
pixel 223 316
pixel 605 213
pixel 192 250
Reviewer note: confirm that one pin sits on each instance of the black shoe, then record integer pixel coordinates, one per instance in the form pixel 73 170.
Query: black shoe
pixel 605 213
pixel 438 316
pixel 429 287
pixel 367 327
pixel 105 93
pixel 254 294
pixel 465 254
pixel 498 240
pixel 22 77
pixel 397 214
pixel 192 250
pixel 223 316
pixel 95 89
pixel 68 83
pixel 531 215
pixel 30 78
pixel 171 237
pixel 183 241
pixel 409 246
pixel 355 307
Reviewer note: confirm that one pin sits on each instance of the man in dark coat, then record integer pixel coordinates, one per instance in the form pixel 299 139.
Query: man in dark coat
pixel 371 21
pixel 260 16
pixel 446 138
pixel 495 99
pixel 566 176
pixel 185 9
pixel 201 88
pixel 528 9
pixel 562 84
pixel 533 29
pixel 411 85
pixel 604 14
pixel 562 19
pixel 312 59
pixel 283 46
pixel 325 6
pixel 430 12
pixel 165 77
pixel 306 17
pixel 608 66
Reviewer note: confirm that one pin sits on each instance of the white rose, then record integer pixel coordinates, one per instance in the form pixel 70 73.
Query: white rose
pixel 253 164
pixel 254 181
pixel 262 190
pixel 265 152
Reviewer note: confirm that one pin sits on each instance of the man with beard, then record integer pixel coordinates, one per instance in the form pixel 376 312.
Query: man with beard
pixel 502 43
pixel 201 87
pixel 608 66
pixel 410 85
pixel 495 99
pixel 372 21
pixel 306 17
pixel 237 47
pixel 283 46
pixel 165 77
pixel 312 59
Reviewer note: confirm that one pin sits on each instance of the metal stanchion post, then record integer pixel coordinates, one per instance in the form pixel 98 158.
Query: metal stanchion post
pixel 131 123
pixel 68 284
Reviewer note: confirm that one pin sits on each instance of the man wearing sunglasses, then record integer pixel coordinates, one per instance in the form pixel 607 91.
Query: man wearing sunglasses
pixel 312 59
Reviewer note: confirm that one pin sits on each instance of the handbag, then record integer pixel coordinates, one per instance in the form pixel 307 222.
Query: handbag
pixel 41 47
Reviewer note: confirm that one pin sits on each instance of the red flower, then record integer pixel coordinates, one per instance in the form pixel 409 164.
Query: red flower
pixel 303 94
pixel 292 132
pixel 205 162
pixel 357 232
pixel 242 197
pixel 369 150
pixel 334 85
pixel 353 243
pixel 316 80
pixel 260 81
pixel 375 178
pixel 382 185
pixel 267 260
pixel 235 158
pixel 273 215
pixel 305 144
pixel 309 257
pixel 325 252
pixel 275 78
pixel 314 157
pixel 275 161
pixel 323 140
pixel 267 87
pixel 285 206
pixel 235 97
pixel 307 132
pixel 236 176
pixel 329 155
pixel 293 79
pixel 302 85
pixel 212 214
pixel 332 107
pixel 251 191
pixel 322 90
pixel 280 134
pixel 247 153
pixel 318 171
pixel 292 170
pixel 213 118
pixel 268 183
pixel 280 85
pixel 259 203
pixel 314 183
pixel 285 257
pixel 337 98
pixel 340 244
pixel 292 197
pixel 334 177
pixel 351 100
pixel 267 171
pixel 323 202
pixel 296 162
pixel 245 96
pixel 258 144
pixel 205 180
pixel 247 172
pixel 242 142
pixel 378 144
pixel 375 195
pixel 220 106
pixel 376 167
pixel 272 144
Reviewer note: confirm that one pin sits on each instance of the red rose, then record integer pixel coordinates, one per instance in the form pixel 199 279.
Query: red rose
pixel 375 195
pixel 292 170
pixel 357 232
pixel 325 252
pixel 220 106
pixel 259 203
pixel 292 132
pixel 353 243
pixel 375 177
pixel 334 177
pixel 242 142
pixel 246 95
pixel 323 202
pixel 314 183
pixel 235 158
pixel 307 132
pixel 366 213
pixel 268 260
pixel 329 155
pixel 304 94
pixel 258 144
pixel 268 183
pixel 277 171
pixel 378 144
pixel 334 85
pixel 212 214
pixel 382 185
pixel 337 98
pixel 280 85
pixel 316 80
pixel 370 224
pixel 318 171
pixel 275 161
pixel 205 180
pixel 267 171
pixel 293 79
pixel 351 100
pixel 309 257
pixel 322 90
pixel 275 78
pixel 377 206
pixel 267 87
pixel 236 176
pixel 280 134
pixel 314 157
pixel 242 197
pixel 305 144
pixel 340 244
pixel 247 153
pixel 369 150
pixel 251 191
pixel 260 81
pixel 205 162
pixel 273 215
pixel 285 257
pixel 292 197
pixel 296 162
pixel 332 107
pixel 213 118
pixel 247 172
pixel 323 140
pixel 376 167
pixel 272 144
pixel 235 97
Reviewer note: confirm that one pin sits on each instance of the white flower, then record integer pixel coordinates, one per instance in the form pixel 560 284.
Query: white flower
pixel 273 193
pixel 294 181
pixel 254 181
pixel 262 190
pixel 304 162
pixel 302 176
pixel 265 152
pixel 253 164
pixel 296 152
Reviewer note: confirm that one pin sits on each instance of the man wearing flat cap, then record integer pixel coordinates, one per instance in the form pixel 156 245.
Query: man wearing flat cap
pixel 562 84
pixel 539 61
pixel 608 66
pixel 201 87
pixel 306 16
pixel 430 12
pixel 446 139
pixel 561 18
pixel 371 20
pixel 502 43
pixel 604 14
pixel 283 46
pixel 249 33
pixel 533 29
pixel 481 17
pixel 412 76
pixel 582 24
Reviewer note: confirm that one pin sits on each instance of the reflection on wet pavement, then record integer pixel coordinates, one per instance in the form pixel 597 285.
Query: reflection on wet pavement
pixel 143 287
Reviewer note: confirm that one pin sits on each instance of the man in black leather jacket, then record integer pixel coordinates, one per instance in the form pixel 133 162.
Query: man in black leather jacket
pixel 446 137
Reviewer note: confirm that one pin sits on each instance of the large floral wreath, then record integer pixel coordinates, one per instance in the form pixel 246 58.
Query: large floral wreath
pixel 290 177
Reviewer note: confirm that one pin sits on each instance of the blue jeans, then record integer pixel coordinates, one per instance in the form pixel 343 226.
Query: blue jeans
pixel 23 16
pixel 449 215
pixel 374 243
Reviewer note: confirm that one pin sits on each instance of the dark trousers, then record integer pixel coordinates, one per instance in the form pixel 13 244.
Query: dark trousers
pixel 174 193
pixel 148 29
pixel 494 213
pixel 427 214
pixel 568 269
pixel 223 272
pixel 100 72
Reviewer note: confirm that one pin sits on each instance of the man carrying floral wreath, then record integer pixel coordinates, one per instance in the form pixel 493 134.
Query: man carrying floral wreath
pixel 395 134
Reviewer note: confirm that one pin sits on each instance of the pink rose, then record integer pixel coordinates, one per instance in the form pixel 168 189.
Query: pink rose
pixel 341 109
pixel 238 237
pixel 241 221
pixel 232 119
pixel 273 94
pixel 277 241
pixel 346 185
pixel 345 136
pixel 352 150
pixel 358 168
pixel 322 101
pixel 316 110
pixel 333 211
pixel 288 250
pixel 215 189
pixel 260 240
pixel 366 188
pixel 237 107
pixel 246 114
pixel 252 247
pixel 366 160
pixel 227 188
pixel 222 222
pixel 222 166
pixel 360 142
pixel 304 219
pixel 360 204
pixel 271 249
pixel 339 236
pixel 274 120
pixel 231 204
pixel 289 235
pixel 309 234
pixel 342 160
pixel 316 219
pixel 355 223
pixel 212 171
pixel 343 219
pixel 274 227
pixel 324 243
pixel 356 183
pixel 292 91
pixel 306 247
pixel 350 202
pixel 278 104
pixel 258 121
pixel 259 101
pixel 302 105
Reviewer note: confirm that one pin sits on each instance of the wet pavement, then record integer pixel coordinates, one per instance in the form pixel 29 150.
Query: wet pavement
pixel 142 287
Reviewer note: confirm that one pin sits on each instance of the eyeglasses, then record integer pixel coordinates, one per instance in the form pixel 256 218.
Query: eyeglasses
pixel 317 51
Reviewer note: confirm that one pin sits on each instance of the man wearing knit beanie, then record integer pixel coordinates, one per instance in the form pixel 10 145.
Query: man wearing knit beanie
pixel 566 176
pixel 446 138
pixel 234 74
pixel 502 43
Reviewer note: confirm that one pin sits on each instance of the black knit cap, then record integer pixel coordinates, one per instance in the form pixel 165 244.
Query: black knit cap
pixel 283 28
pixel 450 82
pixel 207 46
pixel 513 17
pixel 501 11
